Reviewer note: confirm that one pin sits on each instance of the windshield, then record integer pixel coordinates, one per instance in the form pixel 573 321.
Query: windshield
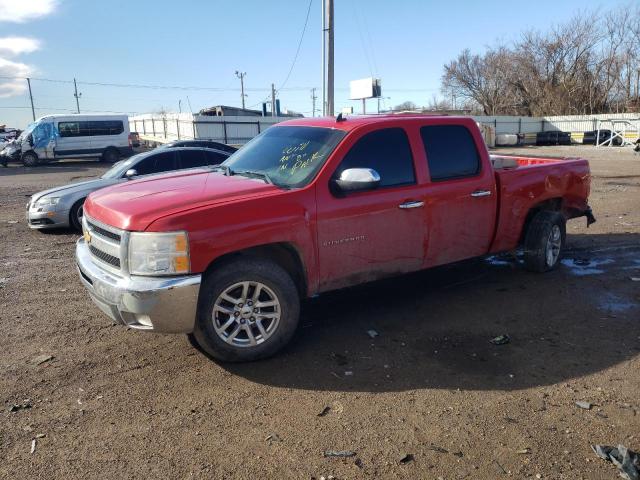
pixel 119 168
pixel 27 131
pixel 290 156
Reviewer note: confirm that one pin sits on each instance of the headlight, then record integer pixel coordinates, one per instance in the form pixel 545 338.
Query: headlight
pixel 153 253
pixel 47 201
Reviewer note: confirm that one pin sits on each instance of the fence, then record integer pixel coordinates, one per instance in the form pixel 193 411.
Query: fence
pixel 186 126
pixel 575 124
pixel 239 130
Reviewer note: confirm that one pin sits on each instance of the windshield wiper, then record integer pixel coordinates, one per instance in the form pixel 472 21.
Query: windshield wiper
pixel 252 174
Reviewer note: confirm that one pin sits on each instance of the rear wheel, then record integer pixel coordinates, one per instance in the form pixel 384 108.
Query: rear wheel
pixel 248 310
pixel 544 241
pixel 110 155
pixel 29 159
pixel 75 215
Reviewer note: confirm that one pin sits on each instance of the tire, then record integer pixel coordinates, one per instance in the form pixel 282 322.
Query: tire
pixel 75 215
pixel 110 155
pixel 29 159
pixel 544 241
pixel 230 279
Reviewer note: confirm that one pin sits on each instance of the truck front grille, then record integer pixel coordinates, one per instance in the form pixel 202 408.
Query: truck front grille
pixel 105 257
pixel 105 244
pixel 101 231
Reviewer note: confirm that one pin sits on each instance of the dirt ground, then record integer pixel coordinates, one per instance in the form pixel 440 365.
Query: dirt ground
pixel 431 388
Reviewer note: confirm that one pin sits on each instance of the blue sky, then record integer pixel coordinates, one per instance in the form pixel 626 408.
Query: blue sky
pixel 202 43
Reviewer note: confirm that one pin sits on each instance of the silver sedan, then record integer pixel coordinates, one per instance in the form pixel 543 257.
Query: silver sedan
pixel 62 206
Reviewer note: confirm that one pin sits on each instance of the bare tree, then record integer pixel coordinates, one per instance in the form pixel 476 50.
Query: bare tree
pixel 586 65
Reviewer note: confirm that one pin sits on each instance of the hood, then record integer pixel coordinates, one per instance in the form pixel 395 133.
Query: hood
pixel 135 205
pixel 87 186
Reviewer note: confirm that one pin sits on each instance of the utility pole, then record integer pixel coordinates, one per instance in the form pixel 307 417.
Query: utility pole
pixel 273 100
pixel 33 110
pixel 313 100
pixel 241 75
pixel 179 106
pixel 76 94
pixel 327 58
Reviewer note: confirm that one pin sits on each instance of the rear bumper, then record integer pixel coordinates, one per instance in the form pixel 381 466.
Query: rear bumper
pixel 159 304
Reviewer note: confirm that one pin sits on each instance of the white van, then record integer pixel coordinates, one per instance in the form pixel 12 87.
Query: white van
pixel 72 136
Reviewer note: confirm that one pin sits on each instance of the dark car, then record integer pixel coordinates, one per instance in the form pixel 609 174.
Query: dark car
pixel 201 144
pixel 63 206
pixel 605 135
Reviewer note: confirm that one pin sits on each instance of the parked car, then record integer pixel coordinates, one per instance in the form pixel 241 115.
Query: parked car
pixel 71 136
pixel 553 138
pixel 134 139
pixel 605 135
pixel 63 206
pixel 311 205
pixel 201 143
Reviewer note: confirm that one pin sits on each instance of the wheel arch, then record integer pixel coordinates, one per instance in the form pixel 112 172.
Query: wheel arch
pixel 551 204
pixel 283 253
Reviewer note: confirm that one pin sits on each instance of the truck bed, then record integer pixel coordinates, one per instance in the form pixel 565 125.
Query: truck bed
pixel 525 182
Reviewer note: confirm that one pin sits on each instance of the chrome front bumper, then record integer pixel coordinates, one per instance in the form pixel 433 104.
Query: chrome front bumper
pixel 159 304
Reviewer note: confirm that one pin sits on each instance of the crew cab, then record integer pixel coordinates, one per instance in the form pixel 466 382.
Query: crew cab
pixel 227 253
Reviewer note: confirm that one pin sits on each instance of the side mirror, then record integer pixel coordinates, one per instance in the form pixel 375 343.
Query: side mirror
pixel 132 172
pixel 357 180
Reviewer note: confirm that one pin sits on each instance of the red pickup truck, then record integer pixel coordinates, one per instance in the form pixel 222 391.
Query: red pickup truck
pixel 226 253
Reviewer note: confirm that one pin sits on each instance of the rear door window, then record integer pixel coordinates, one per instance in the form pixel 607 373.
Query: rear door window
pixel 160 162
pixel 192 158
pixel 215 158
pixel 386 151
pixel 451 152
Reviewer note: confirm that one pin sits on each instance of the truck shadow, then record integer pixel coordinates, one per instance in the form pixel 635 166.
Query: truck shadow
pixel 90 168
pixel 434 327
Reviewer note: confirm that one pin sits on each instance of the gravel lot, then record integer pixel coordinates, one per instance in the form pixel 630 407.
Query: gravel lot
pixel 113 403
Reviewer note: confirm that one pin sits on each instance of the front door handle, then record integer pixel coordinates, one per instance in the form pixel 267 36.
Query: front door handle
pixel 481 193
pixel 413 204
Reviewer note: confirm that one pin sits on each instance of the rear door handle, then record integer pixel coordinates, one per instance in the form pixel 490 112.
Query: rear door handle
pixel 412 204
pixel 481 193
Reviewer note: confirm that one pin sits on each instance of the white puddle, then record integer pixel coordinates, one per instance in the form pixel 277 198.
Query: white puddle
pixel 581 267
pixel 614 303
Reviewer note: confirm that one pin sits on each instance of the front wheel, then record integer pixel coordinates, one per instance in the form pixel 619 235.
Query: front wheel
pixel 75 215
pixel 248 310
pixel 29 159
pixel 544 241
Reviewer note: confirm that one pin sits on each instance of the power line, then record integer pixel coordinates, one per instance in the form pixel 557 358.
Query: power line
pixel 295 58
pixel 155 87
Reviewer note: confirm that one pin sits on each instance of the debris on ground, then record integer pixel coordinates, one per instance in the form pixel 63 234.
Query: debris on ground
pixel 348 373
pixel 324 411
pixel 582 262
pixel 500 340
pixel 20 406
pixel 273 437
pixel 524 451
pixel 635 279
pixel 33 445
pixel 339 453
pixel 372 333
pixel 3 281
pixel 584 405
pixel 406 459
pixel 40 359
pixel 627 461
pixel 435 448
